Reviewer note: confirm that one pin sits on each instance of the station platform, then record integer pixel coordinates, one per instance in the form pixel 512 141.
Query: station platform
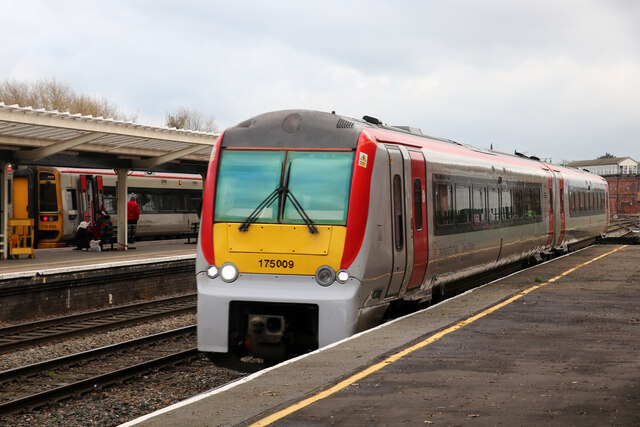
pixel 67 259
pixel 556 344
pixel 63 280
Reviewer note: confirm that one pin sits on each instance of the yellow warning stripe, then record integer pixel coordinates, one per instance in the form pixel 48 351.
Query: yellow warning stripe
pixel 395 357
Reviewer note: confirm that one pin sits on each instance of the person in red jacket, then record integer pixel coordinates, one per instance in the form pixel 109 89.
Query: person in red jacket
pixel 133 214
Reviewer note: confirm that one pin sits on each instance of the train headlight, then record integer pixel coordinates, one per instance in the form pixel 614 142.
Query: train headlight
pixel 325 275
pixel 212 272
pixel 228 272
pixel 342 276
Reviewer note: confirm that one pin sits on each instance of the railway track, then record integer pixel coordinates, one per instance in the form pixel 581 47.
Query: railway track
pixel 28 334
pixel 39 384
pixel 625 230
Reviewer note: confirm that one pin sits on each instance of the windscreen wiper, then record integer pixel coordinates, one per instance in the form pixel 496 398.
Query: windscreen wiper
pixel 268 201
pixel 312 228
pixel 298 207
pixel 262 206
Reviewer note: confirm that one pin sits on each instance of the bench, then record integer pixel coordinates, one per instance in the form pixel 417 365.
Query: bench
pixel 193 234
pixel 108 236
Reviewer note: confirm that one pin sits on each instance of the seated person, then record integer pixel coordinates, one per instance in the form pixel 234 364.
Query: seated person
pixel 85 234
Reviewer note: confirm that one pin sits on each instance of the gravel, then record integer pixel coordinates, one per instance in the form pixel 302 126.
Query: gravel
pixel 122 402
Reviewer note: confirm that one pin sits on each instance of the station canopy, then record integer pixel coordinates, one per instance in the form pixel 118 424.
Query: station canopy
pixel 37 137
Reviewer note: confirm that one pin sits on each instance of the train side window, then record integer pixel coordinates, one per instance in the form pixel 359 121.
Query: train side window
pixel 463 204
pixel 536 203
pixel 180 201
pixel 517 203
pixel 72 201
pixel 148 203
pixel 479 199
pixel 507 204
pixel 397 213
pixel 110 201
pixel 528 203
pixel 166 202
pixel 195 202
pixel 444 204
pixel 417 203
pixel 494 205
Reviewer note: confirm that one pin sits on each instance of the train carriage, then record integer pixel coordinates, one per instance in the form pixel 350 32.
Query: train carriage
pixel 60 198
pixel 314 224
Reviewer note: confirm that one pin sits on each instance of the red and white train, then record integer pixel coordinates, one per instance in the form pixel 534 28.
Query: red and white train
pixel 314 224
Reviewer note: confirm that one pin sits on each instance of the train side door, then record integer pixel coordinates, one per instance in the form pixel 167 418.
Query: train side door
pixel 553 224
pixel 420 249
pixel 398 219
pixel 20 197
pixel 560 235
pixel 25 194
pixel 100 188
pixel 87 201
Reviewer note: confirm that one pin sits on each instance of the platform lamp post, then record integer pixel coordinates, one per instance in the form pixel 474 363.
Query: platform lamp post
pixel 121 197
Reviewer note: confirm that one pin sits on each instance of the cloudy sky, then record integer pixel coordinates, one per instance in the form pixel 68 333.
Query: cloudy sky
pixel 559 79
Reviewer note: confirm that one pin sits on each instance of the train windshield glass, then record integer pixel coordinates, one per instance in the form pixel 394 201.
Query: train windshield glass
pixel 249 186
pixel 245 179
pixel 320 182
pixel 48 192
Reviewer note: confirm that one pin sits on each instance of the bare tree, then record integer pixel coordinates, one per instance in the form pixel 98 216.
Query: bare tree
pixel 53 95
pixel 186 118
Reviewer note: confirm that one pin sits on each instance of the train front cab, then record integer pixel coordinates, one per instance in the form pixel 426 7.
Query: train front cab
pixel 273 283
pixel 36 194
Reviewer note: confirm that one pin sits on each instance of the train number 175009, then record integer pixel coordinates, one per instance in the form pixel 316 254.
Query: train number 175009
pixel 275 263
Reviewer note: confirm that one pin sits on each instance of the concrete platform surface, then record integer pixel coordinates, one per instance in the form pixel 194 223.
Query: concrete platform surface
pixel 557 344
pixel 68 259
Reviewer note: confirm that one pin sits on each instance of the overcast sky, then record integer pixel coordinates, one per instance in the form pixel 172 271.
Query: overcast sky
pixel 558 79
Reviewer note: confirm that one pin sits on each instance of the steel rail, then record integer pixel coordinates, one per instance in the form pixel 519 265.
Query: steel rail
pixel 30 333
pixel 44 397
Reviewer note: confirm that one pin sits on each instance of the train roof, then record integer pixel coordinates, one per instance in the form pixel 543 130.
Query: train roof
pixel 300 129
pixel 282 129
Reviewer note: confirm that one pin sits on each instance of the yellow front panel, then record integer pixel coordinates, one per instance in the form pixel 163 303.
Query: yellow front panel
pixel 278 248
pixel 279 239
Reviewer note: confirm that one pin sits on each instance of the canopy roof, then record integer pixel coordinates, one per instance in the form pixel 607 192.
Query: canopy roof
pixel 38 137
pixel 599 162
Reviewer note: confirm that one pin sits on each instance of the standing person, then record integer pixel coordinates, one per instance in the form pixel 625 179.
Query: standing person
pixel 133 214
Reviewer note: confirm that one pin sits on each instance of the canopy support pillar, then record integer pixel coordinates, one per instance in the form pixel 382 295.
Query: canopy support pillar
pixel 4 210
pixel 121 197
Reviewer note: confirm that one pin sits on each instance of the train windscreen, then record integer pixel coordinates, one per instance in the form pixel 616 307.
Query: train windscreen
pixel 48 192
pixel 284 186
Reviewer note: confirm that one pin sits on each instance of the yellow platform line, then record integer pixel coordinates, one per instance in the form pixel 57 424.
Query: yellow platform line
pixel 397 356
